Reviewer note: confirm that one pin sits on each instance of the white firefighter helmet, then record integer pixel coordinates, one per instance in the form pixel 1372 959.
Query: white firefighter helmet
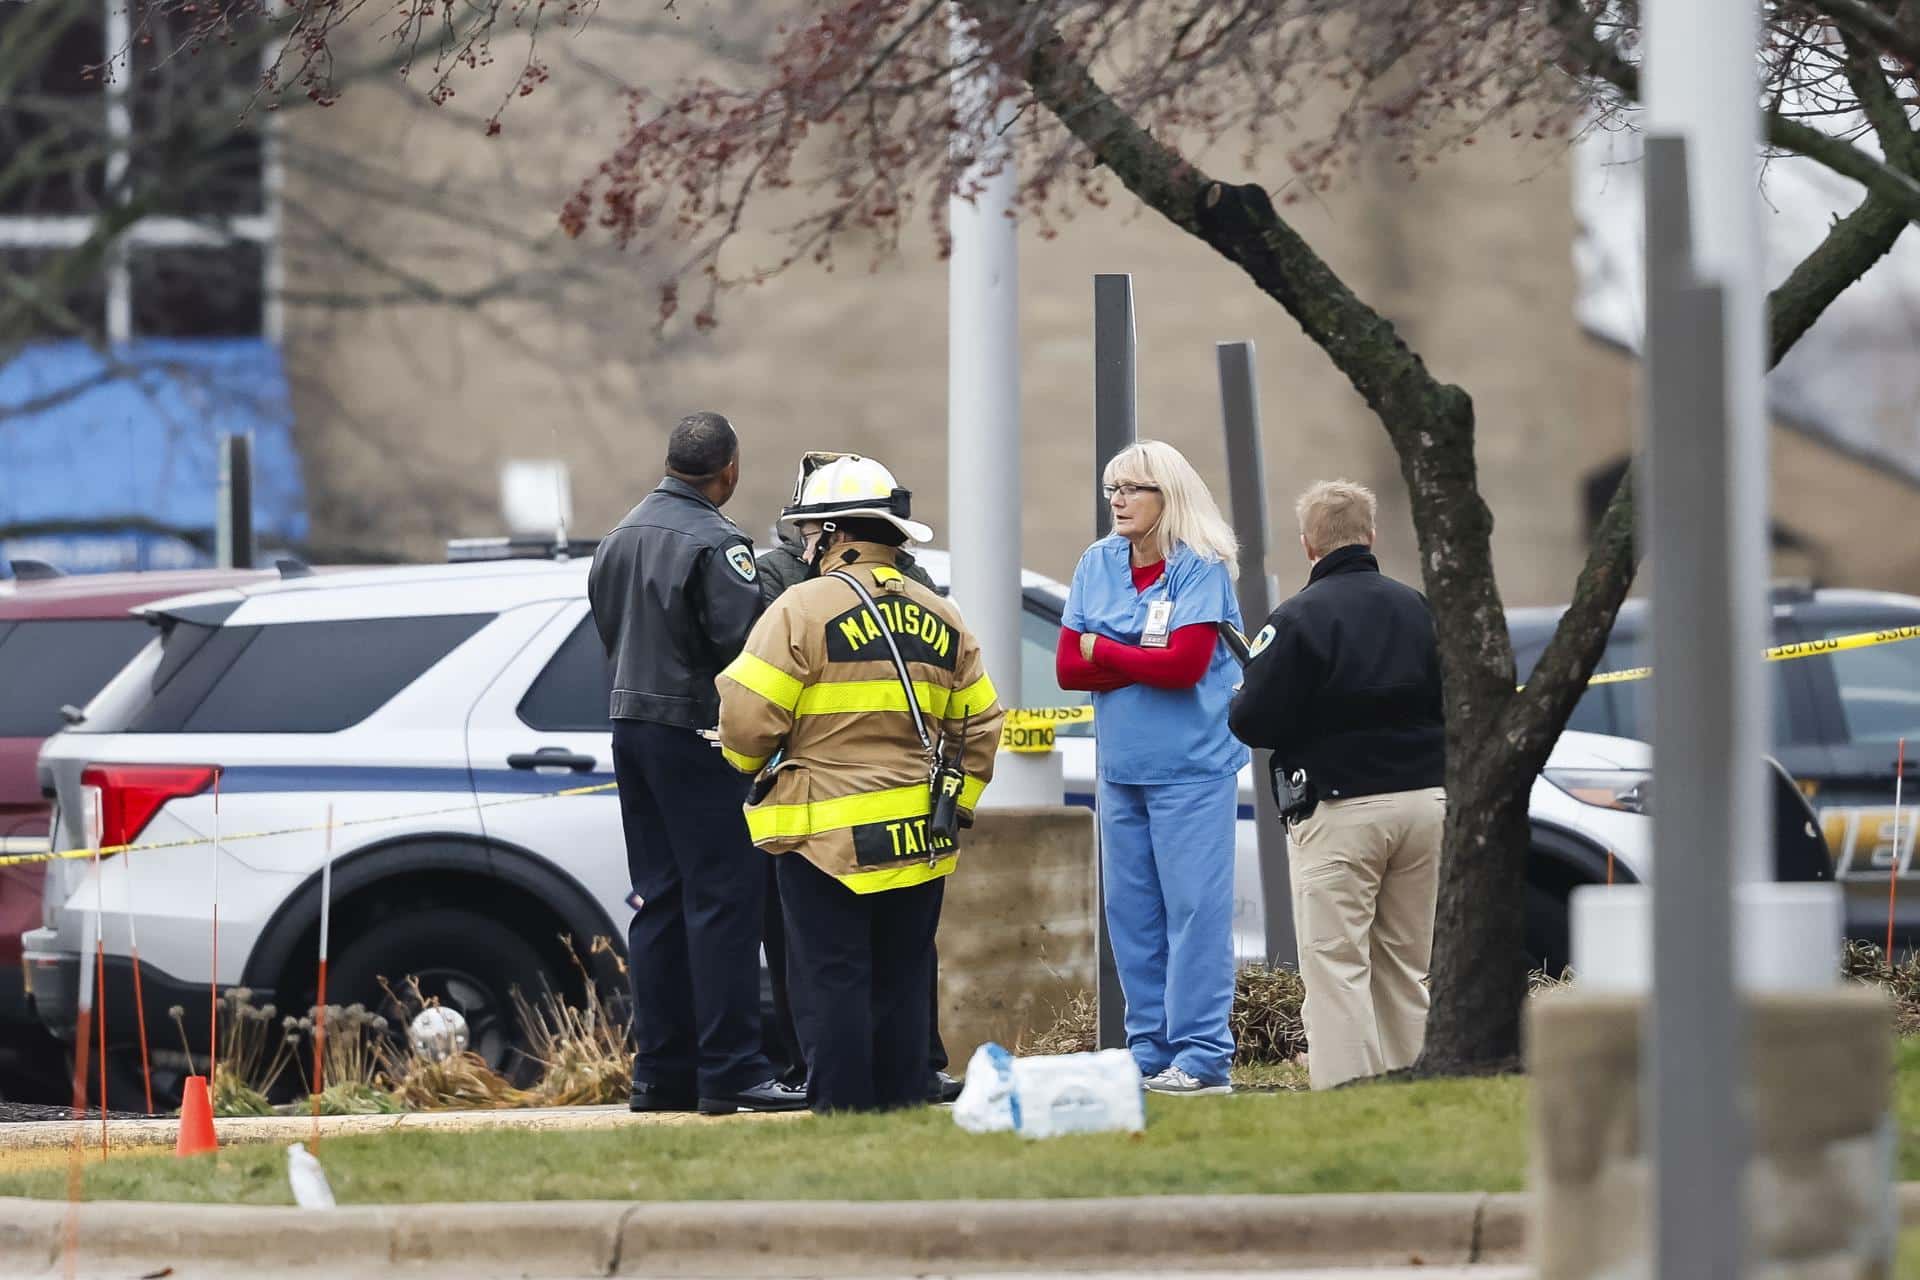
pixel 810 461
pixel 851 485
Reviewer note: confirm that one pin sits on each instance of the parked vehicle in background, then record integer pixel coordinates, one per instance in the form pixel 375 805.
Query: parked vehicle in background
pixel 1838 719
pixel 61 639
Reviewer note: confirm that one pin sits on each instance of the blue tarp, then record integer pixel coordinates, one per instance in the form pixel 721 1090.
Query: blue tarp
pixel 133 436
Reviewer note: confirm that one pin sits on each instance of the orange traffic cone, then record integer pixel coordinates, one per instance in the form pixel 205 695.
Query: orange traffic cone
pixel 196 1120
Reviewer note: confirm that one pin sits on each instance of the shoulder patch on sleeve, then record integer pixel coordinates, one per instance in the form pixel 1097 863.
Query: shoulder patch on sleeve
pixel 1261 641
pixel 740 557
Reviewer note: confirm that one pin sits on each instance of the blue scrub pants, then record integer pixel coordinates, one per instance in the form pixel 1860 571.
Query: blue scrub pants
pixel 1166 853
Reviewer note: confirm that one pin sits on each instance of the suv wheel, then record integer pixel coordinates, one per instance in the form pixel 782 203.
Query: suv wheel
pixel 470 962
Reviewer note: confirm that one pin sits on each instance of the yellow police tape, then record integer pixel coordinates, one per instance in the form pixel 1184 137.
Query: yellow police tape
pixel 1029 729
pixel 1788 652
pixel 107 851
pixel 1033 730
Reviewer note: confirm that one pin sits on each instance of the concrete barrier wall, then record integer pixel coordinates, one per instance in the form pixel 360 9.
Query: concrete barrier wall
pixel 1017 931
pixel 1819 1195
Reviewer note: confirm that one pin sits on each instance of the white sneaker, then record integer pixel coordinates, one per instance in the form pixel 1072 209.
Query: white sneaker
pixel 1174 1080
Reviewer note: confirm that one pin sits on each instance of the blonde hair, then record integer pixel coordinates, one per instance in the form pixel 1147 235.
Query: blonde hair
pixel 1335 514
pixel 1189 516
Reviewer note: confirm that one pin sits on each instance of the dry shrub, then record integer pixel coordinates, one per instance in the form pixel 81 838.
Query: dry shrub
pixel 1539 981
pixel 583 1053
pixel 1866 962
pixel 1074 1029
pixel 1265 1020
pixel 355 1098
pixel 462 1082
pixel 253 1053
pixel 1266 1015
pixel 355 1059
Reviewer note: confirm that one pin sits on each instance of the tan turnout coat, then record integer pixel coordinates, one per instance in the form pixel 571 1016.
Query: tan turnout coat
pixel 817 684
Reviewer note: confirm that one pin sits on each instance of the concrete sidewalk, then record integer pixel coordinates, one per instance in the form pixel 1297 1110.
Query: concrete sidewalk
pixel 251 1272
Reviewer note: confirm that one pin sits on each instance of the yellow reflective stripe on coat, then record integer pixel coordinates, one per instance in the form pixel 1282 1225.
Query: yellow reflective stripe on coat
pixel 765 679
pixel 852 697
pixel 970 792
pixel 795 821
pixel 745 764
pixel 973 700
pixel 902 877
pixel 855 697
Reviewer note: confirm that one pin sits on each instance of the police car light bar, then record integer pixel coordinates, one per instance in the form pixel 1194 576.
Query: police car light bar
pixel 518 547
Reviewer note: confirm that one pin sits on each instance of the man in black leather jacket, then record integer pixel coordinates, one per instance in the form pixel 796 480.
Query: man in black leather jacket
pixel 1344 686
pixel 674 590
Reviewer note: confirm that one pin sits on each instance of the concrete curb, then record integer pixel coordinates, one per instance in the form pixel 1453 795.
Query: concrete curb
pixel 1149 1235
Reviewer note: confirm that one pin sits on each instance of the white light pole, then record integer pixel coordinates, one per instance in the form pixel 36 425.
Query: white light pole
pixel 983 397
pixel 1702 86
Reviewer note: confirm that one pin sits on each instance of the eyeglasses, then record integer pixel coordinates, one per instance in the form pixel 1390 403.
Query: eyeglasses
pixel 1128 491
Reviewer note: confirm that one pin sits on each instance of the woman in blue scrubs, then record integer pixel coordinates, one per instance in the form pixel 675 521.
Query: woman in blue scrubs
pixel 1141 630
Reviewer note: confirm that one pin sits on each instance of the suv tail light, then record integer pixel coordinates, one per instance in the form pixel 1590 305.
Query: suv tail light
pixel 121 799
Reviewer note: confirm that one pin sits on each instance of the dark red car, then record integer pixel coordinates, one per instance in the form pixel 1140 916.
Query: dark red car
pixel 61 639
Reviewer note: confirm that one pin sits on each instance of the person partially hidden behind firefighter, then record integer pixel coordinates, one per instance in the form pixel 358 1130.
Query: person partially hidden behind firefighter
pixel 862 702
pixel 788 563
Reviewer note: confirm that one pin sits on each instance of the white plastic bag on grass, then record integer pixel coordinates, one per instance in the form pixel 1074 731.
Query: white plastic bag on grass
pixel 985 1104
pixel 1078 1093
pixel 1043 1097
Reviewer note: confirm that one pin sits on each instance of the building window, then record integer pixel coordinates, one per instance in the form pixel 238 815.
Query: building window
pixel 123 105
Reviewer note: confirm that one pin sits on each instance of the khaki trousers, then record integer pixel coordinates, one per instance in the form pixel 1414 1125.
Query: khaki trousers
pixel 1365 875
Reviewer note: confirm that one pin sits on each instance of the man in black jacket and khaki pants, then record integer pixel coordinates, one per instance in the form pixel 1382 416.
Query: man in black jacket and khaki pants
pixel 675 590
pixel 1344 687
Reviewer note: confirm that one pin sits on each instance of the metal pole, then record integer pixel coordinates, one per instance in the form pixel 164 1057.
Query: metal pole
pixel 1247 491
pixel 1693 1070
pixel 983 372
pixel 1113 430
pixel 234 521
pixel 1113 383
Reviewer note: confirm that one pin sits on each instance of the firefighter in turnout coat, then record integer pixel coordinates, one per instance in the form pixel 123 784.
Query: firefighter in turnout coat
pixel 815 706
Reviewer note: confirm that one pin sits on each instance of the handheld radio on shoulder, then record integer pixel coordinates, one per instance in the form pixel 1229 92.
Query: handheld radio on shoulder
pixel 1236 643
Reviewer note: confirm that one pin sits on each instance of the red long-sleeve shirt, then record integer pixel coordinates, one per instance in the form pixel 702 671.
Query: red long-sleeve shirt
pixel 1115 665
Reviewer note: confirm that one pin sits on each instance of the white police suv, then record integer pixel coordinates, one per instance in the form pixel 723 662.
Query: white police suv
pixel 433 713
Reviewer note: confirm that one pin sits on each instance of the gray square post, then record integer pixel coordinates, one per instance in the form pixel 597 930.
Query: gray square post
pixel 233 522
pixel 1695 1074
pixel 1113 430
pixel 1247 491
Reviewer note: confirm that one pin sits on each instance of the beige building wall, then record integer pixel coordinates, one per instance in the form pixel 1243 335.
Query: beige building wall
pixel 404 416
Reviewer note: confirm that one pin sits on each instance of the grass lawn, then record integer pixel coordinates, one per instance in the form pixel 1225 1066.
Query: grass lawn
pixel 1421 1137
pixel 1449 1135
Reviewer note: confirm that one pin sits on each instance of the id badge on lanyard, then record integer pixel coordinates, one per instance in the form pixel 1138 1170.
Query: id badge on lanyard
pixel 1159 625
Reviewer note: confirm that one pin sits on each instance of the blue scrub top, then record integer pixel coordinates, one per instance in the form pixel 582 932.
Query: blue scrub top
pixel 1147 735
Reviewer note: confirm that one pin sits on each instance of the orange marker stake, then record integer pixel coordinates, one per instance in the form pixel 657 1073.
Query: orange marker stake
pixel 82 1046
pixel 139 995
pixel 1893 872
pixel 320 1008
pixel 100 1025
pixel 213 982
